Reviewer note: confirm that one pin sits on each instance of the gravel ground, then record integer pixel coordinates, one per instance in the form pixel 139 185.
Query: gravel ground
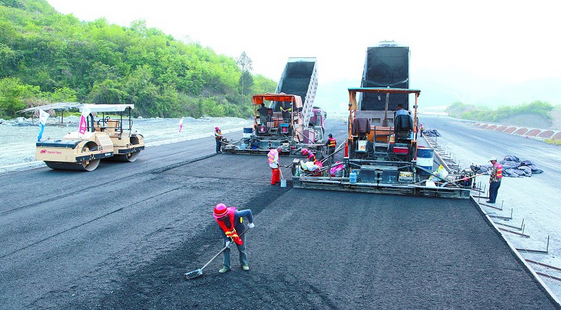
pixel 309 250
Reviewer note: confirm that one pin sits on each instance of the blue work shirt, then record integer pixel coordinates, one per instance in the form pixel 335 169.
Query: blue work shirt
pixel 238 222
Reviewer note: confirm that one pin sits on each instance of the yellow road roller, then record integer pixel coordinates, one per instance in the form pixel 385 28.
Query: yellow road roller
pixel 105 132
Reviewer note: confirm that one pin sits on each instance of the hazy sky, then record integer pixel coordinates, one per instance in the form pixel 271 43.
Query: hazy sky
pixel 509 40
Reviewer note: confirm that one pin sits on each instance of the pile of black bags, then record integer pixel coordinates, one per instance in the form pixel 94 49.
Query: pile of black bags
pixel 512 167
pixel 431 133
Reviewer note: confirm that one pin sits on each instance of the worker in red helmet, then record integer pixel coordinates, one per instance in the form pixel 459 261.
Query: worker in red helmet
pixel 218 139
pixel 232 226
pixel 309 155
pixel 273 160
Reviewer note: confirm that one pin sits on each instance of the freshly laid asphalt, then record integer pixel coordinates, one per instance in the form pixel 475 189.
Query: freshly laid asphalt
pixel 122 237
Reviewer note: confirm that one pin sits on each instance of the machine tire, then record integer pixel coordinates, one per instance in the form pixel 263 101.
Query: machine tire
pixel 87 165
pixel 129 157
pixel 90 165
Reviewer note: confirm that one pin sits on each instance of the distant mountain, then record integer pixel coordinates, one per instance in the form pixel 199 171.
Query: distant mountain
pixel 548 90
pixel 443 87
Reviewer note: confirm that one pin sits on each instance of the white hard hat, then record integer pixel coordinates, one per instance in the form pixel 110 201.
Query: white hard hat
pixel 493 159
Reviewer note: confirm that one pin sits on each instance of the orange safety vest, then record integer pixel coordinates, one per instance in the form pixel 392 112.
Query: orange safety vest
pixel 499 169
pixel 218 134
pixel 332 142
pixel 310 156
pixel 499 173
pixel 271 156
pixel 230 232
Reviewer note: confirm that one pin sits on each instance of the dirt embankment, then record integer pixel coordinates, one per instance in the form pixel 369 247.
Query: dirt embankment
pixel 556 116
pixel 535 121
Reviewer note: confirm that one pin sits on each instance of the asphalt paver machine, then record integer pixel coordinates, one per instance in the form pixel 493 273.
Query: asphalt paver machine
pixel 289 130
pixel 382 155
pixel 286 118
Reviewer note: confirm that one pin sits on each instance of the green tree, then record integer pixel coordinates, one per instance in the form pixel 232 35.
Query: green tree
pixel 263 85
pixel 108 91
pixel 65 59
pixel 63 94
pixel 14 95
pixel 246 82
pixel 245 64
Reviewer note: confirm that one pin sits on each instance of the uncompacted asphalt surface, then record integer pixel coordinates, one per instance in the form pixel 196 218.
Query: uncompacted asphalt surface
pixel 123 236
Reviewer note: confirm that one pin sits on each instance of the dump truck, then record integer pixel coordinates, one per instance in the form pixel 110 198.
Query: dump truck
pixel 286 118
pixel 106 133
pixel 300 77
pixel 381 151
pixel 386 66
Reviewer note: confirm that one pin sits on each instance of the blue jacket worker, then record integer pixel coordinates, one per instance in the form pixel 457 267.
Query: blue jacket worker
pixel 232 227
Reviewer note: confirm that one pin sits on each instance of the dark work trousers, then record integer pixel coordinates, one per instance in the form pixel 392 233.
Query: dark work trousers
pixel 218 146
pixel 494 187
pixel 243 257
pixel 331 151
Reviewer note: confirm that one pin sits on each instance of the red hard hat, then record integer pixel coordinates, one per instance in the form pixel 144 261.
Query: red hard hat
pixel 304 151
pixel 216 128
pixel 220 211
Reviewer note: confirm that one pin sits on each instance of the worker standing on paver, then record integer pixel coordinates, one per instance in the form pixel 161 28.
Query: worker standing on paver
pixel 286 114
pixel 232 227
pixel 496 176
pixel 218 139
pixel 273 160
pixel 400 110
pixel 331 144
pixel 264 116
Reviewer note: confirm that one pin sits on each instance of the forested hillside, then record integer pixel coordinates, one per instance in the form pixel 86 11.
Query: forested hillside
pixel 49 57
pixel 536 114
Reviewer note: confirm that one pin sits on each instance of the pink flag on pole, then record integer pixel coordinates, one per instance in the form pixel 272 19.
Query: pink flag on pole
pixel 83 124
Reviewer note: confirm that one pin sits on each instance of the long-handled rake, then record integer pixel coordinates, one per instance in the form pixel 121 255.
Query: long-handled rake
pixel 199 272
